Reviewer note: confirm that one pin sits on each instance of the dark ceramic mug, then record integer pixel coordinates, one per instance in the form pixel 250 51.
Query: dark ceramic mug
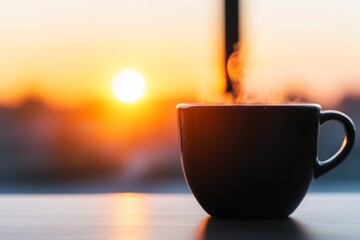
pixel 254 161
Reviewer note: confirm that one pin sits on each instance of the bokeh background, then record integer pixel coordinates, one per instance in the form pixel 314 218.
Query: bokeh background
pixel 62 129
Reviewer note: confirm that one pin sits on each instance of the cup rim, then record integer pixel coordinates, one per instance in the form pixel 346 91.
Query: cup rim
pixel 262 105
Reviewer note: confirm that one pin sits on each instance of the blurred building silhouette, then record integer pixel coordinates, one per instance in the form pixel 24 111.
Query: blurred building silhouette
pixel 38 143
pixel 44 144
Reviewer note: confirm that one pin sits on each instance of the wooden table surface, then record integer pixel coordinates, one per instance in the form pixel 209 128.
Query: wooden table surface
pixel 167 216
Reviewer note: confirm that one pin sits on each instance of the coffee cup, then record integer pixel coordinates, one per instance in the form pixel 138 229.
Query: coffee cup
pixel 255 160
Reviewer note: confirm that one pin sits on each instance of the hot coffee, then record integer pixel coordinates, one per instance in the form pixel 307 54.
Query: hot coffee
pixel 254 161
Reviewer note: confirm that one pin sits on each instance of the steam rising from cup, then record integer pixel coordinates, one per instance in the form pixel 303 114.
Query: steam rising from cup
pixel 241 83
pixel 235 69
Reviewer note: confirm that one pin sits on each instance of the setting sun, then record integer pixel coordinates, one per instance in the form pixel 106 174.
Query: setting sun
pixel 129 86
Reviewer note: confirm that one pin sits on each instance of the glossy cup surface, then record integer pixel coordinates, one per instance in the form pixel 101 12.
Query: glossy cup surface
pixel 249 161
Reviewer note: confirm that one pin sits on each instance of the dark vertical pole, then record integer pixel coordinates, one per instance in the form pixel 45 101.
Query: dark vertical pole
pixel 231 32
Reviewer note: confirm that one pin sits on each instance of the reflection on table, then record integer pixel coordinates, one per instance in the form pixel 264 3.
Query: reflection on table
pixel 167 216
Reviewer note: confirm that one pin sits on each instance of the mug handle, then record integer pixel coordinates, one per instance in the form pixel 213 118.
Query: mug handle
pixel 322 167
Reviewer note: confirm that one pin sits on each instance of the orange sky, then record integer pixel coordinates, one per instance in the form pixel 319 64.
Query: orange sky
pixel 312 45
pixel 69 51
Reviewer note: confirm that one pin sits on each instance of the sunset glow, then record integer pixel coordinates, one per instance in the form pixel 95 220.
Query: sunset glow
pixel 129 86
pixel 89 89
pixel 67 52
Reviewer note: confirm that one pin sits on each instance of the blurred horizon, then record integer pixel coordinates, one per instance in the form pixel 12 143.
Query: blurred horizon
pixel 89 149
